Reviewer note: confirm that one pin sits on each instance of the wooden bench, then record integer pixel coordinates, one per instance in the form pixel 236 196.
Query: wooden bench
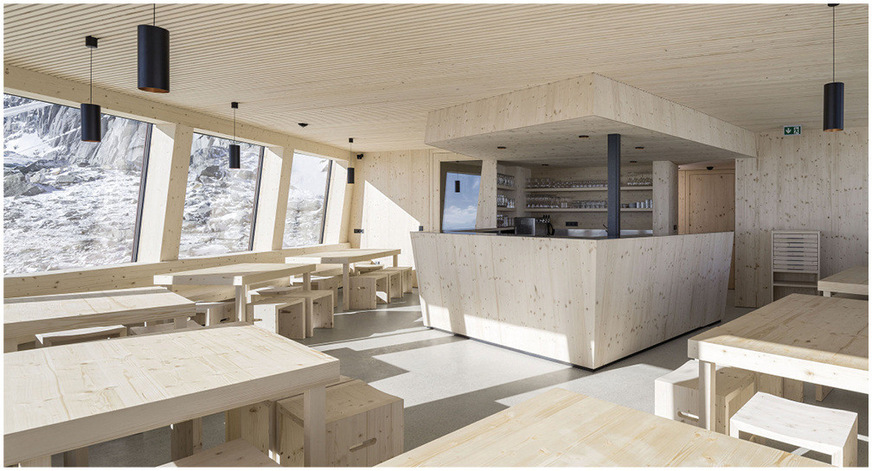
pixel 88 334
pixel 284 316
pixel 272 291
pixel 163 328
pixel 828 431
pixel 364 426
pixel 364 290
pixel 331 283
pixel 406 273
pixel 676 394
pixel 237 454
pixel 211 313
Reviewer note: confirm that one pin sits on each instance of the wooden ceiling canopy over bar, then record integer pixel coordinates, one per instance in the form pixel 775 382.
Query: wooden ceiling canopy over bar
pixel 545 122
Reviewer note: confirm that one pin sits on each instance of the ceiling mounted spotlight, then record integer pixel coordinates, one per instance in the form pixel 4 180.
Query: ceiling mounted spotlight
pixel 153 57
pixel 583 136
pixel 501 147
pixel 834 92
pixel 92 129
pixel 634 161
pixel 302 125
pixel 640 147
pixel 235 157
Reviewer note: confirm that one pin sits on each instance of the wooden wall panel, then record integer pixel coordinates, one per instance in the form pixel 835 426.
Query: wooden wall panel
pixel 133 275
pixel 391 197
pixel 272 202
pixel 814 181
pixel 665 196
pixel 486 217
pixel 338 204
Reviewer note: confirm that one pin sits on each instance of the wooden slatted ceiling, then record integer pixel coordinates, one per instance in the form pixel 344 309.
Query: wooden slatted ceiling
pixel 373 71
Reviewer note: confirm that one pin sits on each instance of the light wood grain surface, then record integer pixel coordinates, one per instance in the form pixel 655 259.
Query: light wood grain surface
pixel 67 397
pixel 353 255
pixel 854 280
pixel 234 275
pixel 25 317
pixel 808 338
pixel 236 453
pixel 562 428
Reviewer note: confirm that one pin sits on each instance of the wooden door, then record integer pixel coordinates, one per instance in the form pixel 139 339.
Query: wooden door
pixel 707 203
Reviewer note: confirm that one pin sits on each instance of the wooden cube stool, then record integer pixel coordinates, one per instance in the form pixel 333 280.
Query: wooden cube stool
pixel 236 453
pixel 829 431
pixel 361 268
pixel 319 308
pixel 364 426
pixel 382 285
pixel 676 394
pixel 87 334
pixel 284 316
pixel 272 291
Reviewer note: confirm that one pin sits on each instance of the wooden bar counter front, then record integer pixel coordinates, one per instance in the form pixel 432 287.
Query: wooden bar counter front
pixel 588 302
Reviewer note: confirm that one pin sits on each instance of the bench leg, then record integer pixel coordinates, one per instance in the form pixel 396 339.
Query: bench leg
pixel 315 427
pixel 180 322
pixel 257 426
pixel 821 392
pixel 346 298
pixel 240 304
pixel 186 438
pixel 76 458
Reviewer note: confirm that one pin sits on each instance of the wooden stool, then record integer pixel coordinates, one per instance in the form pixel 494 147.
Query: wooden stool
pixel 272 291
pixel 382 284
pixel 364 426
pixel 284 316
pixel 319 308
pixel 361 268
pixel 676 394
pixel 236 453
pixel 81 335
pixel 829 431
pixel 215 312
pixel 326 282
pixel 362 292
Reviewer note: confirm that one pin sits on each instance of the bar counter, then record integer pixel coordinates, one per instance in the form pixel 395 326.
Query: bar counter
pixel 587 302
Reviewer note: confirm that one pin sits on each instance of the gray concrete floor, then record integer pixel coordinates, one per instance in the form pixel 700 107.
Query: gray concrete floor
pixel 448 382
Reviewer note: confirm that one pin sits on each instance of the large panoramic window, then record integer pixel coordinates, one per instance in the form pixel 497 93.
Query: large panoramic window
pixel 219 201
pixel 461 201
pixel 307 201
pixel 67 203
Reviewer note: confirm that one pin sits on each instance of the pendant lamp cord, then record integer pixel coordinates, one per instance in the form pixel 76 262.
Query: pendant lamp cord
pixel 154 14
pixel 834 44
pixel 91 78
pixel 234 125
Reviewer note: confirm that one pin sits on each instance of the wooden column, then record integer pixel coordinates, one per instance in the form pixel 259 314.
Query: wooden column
pixel 486 217
pixel 665 197
pixel 338 203
pixel 164 196
pixel 272 202
pixel 614 188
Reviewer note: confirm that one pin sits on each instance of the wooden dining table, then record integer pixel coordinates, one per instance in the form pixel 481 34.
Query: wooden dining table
pixel 814 339
pixel 346 257
pixel 63 398
pixel 241 276
pixel 563 428
pixel 24 318
pixel 854 280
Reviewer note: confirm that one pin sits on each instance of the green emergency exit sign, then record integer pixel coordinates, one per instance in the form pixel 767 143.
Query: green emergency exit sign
pixel 792 130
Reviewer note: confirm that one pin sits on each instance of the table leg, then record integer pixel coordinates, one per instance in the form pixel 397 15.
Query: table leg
pixel 38 462
pixel 186 438
pixel 257 426
pixel 315 427
pixel 821 392
pixel 180 322
pixel 240 304
pixel 828 294
pixel 396 261
pixel 307 281
pixel 707 395
pixel 10 345
pixel 346 288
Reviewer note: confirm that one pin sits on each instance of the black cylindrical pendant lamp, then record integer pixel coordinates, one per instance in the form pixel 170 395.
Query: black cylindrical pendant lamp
pixel 92 129
pixel 834 106
pixel 235 161
pixel 154 59
pixel 351 175
pixel 457 186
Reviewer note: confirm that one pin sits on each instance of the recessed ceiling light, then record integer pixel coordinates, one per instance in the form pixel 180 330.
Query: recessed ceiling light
pixel 501 147
pixel 640 147
pixel 544 165
pixel 583 136
pixel 634 161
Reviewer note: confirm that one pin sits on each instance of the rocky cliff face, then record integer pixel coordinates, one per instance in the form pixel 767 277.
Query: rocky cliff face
pixel 71 204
